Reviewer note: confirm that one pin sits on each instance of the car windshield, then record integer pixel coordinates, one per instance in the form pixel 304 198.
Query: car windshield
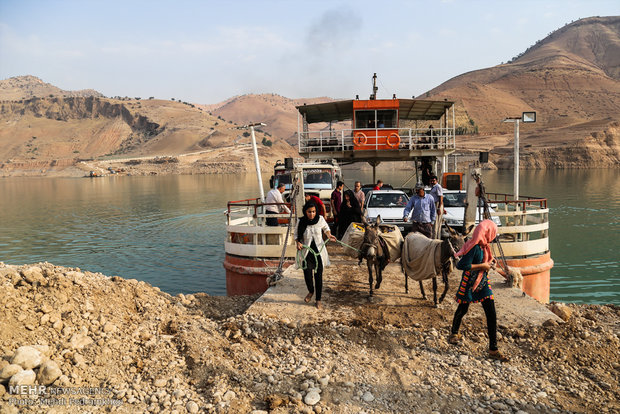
pixel 382 200
pixel 317 176
pixel 368 187
pixel 454 199
pixel 282 178
pixel 457 200
pixel 320 178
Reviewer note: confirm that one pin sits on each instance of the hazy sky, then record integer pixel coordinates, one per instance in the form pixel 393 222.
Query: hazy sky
pixel 207 51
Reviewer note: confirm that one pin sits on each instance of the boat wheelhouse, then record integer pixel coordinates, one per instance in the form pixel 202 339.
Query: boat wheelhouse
pixel 375 130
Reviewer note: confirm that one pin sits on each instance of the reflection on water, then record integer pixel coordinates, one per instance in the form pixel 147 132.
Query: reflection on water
pixel 169 231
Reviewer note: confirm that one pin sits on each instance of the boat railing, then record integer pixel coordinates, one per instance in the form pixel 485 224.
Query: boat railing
pixel 248 233
pixel 408 139
pixel 524 230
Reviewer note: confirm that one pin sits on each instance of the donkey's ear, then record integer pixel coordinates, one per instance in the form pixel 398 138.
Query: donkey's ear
pixel 378 220
pixel 469 229
pixel 364 221
pixel 451 230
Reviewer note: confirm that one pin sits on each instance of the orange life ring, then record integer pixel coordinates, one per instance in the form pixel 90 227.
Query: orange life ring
pixel 395 145
pixel 360 139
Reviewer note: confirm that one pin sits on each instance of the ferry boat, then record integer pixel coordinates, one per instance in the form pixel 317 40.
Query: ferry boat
pixel 374 131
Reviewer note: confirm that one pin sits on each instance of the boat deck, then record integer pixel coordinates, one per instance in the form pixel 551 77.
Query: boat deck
pixel 345 298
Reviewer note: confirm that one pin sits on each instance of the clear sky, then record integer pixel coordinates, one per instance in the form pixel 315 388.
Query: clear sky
pixel 207 51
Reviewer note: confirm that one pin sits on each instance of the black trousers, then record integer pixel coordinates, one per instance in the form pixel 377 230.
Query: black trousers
pixel 311 262
pixel 489 310
pixel 271 221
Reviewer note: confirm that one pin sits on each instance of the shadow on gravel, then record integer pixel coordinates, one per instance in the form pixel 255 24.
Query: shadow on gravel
pixel 223 307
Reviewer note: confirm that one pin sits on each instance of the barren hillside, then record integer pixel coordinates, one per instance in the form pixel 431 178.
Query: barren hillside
pixel 276 111
pixel 53 131
pixel 570 78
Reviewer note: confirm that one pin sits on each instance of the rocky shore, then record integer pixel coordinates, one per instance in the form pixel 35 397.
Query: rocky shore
pixel 106 344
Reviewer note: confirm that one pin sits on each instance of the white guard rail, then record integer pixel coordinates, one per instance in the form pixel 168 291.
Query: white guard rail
pixel 249 236
pixel 410 139
pixel 525 225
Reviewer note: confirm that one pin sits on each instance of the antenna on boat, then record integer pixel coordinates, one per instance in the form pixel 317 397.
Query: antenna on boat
pixel 373 95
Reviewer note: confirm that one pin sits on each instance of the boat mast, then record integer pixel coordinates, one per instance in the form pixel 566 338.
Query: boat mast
pixel 373 95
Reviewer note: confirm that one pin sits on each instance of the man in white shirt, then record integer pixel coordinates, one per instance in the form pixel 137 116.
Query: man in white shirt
pixel 275 196
pixel 359 194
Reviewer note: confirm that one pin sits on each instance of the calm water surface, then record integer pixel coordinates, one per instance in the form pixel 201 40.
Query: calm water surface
pixel 169 231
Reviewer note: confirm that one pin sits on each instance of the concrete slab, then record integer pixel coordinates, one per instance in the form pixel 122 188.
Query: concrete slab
pixel 285 301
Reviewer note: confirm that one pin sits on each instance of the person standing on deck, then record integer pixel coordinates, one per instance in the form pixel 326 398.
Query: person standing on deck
pixel 275 196
pixel 426 171
pixel 437 194
pixel 336 201
pixel 350 212
pixel 422 207
pixel 476 261
pixel 309 232
pixel 319 204
pixel 359 194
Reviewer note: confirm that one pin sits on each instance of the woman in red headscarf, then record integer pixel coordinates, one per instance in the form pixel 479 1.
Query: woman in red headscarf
pixel 476 261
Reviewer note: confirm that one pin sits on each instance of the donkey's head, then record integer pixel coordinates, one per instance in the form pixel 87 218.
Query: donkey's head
pixel 370 244
pixel 456 239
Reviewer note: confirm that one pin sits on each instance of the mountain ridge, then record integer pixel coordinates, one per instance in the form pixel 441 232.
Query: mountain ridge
pixel 29 86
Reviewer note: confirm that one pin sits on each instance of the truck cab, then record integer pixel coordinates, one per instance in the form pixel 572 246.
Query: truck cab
pixel 320 178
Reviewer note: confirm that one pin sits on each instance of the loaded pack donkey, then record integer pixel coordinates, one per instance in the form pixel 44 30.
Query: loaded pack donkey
pixel 423 258
pixel 375 250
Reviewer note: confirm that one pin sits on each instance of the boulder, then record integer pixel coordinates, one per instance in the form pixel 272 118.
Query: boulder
pixel 109 327
pixel 25 377
pixel 563 311
pixel 8 371
pixel 191 407
pixel 312 398
pixel 33 275
pixel 27 357
pixel 368 397
pixel 79 341
pixel 48 373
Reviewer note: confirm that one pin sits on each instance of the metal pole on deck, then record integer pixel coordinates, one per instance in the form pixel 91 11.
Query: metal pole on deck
pixel 515 183
pixel 516 162
pixel 256 163
pixel 525 117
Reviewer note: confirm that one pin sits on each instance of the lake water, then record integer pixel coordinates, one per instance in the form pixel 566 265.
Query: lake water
pixel 170 230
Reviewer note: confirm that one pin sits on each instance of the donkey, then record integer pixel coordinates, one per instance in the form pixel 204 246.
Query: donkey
pixel 375 251
pixel 423 258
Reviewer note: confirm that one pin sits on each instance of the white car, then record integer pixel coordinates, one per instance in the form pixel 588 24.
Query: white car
pixel 390 205
pixel 454 207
